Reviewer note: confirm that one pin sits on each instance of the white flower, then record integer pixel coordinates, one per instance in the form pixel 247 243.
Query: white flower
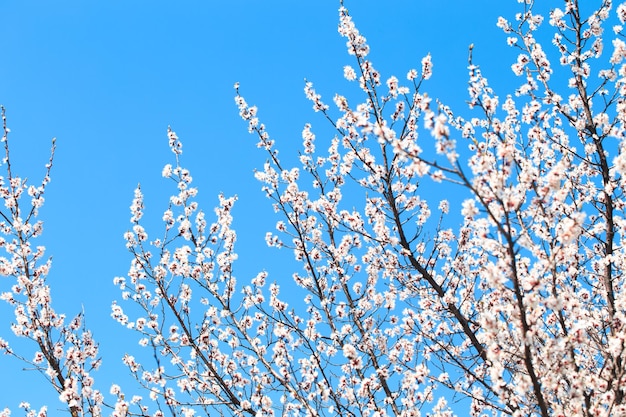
pixel 167 171
pixel 349 73
pixel 349 351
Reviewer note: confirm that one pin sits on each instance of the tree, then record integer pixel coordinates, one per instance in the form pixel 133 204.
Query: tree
pixel 519 310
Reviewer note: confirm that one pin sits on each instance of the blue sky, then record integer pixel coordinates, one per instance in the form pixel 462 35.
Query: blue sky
pixel 107 78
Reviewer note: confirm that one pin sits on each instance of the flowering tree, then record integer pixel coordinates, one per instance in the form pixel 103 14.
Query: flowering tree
pixel 519 310
pixel 66 352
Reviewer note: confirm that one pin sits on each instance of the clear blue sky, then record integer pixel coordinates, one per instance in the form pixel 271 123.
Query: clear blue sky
pixel 106 79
